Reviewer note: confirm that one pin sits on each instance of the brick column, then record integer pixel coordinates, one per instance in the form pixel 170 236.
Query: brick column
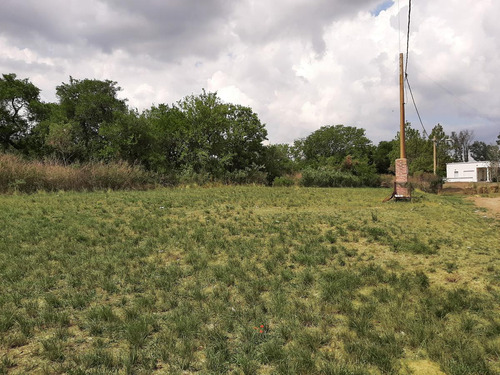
pixel 401 184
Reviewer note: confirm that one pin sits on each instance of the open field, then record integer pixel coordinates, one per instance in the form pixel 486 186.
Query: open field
pixel 248 280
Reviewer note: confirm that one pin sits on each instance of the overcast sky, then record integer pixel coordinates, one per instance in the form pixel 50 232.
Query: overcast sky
pixel 299 64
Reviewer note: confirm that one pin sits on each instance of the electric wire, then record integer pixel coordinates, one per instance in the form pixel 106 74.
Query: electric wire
pixel 416 108
pixel 452 94
pixel 406 71
pixel 408 36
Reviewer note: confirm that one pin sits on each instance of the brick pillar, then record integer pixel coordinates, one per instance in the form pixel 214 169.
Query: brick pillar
pixel 401 188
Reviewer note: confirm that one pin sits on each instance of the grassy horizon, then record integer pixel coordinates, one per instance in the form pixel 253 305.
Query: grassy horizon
pixel 247 280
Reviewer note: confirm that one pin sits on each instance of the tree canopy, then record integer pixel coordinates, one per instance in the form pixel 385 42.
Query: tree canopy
pixel 20 107
pixel 202 137
pixel 335 143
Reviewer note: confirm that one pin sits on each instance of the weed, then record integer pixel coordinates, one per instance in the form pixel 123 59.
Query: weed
pixel 6 363
pixel 413 246
pixel 136 332
pixel 337 285
pixel 451 267
pixel 98 358
pixel 53 349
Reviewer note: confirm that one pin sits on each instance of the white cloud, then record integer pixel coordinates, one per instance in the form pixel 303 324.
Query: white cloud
pixel 299 64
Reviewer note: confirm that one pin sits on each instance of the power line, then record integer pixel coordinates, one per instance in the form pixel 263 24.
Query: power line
pixel 416 108
pixel 406 71
pixel 408 36
pixel 451 93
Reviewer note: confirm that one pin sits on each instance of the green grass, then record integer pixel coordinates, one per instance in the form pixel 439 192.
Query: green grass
pixel 181 281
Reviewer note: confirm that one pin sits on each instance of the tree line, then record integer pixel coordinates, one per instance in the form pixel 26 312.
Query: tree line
pixel 201 138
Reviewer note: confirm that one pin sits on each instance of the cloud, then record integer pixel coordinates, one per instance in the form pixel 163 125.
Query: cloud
pixel 299 64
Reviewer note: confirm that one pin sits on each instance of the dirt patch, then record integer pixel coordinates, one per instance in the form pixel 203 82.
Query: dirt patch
pixel 491 204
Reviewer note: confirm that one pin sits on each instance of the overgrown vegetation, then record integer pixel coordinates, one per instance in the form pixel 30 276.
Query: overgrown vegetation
pixel 17 175
pixel 246 280
pixel 202 139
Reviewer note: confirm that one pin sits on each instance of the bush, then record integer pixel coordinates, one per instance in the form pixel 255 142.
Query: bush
pixel 329 177
pixel 283 181
pixel 325 177
pixel 427 182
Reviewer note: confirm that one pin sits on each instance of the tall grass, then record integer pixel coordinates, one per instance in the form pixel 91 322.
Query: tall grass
pixel 30 176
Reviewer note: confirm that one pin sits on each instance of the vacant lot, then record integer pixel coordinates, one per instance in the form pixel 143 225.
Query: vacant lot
pixel 247 280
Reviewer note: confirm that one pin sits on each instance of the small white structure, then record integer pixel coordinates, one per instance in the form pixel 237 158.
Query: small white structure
pixel 473 171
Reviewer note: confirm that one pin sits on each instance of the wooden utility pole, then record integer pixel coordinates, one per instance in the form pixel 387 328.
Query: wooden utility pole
pixel 401 187
pixel 434 140
pixel 402 145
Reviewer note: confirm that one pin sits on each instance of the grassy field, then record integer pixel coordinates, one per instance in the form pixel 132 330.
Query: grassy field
pixel 247 280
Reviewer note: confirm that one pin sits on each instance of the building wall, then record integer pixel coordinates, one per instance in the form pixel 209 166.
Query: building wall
pixel 468 172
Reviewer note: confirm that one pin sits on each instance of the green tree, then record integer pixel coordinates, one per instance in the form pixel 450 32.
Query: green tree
pixel 381 156
pixel 243 140
pixel 127 138
pixel 418 151
pixel 332 144
pixel 278 161
pixel 61 139
pixel 221 138
pixel 443 148
pixel 479 151
pixel 207 124
pixel 90 103
pixel 20 109
pixel 169 134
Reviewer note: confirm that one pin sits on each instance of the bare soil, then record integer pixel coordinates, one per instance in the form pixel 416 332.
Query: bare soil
pixel 492 204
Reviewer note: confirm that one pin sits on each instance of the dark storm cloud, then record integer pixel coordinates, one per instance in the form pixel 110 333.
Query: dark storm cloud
pixel 168 30
pixel 299 64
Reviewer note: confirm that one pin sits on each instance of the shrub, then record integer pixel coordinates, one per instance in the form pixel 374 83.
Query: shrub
pixel 426 182
pixel 325 177
pixel 331 177
pixel 283 182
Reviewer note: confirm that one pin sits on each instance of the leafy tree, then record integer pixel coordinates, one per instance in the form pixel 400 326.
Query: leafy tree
pixel 169 133
pixel 243 140
pixel 20 108
pixel 336 156
pixel 381 155
pixel 221 138
pixel 418 151
pixel 127 138
pixel 60 139
pixel 278 161
pixel 332 144
pixel 89 104
pixel 479 151
pixel 443 148
pixel 207 125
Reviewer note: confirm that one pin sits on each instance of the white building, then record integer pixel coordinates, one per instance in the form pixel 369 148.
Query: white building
pixel 473 171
